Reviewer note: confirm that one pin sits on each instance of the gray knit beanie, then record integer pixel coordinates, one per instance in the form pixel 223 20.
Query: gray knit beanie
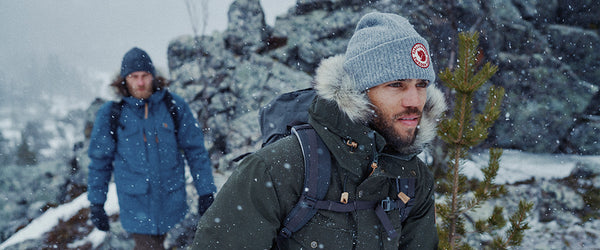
pixel 136 60
pixel 386 47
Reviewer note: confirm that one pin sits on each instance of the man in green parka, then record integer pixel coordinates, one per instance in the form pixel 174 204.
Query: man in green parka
pixel 376 109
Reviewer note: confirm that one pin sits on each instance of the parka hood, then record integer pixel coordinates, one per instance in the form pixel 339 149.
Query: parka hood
pixel 333 84
pixel 120 90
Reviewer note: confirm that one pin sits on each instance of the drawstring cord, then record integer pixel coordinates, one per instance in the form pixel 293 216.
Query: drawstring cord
pixel 375 153
pixel 344 197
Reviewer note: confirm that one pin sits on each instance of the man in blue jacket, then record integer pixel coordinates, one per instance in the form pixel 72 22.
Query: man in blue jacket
pixel 146 155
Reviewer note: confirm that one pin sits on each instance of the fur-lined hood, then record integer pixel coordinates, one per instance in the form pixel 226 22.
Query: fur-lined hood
pixel 332 85
pixel 120 90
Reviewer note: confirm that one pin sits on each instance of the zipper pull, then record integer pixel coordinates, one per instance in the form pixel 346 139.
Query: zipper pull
pixel 352 144
pixel 344 198
pixel 373 166
pixel 145 110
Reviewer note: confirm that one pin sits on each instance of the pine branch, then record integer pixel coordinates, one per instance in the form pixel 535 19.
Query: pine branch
pixel 492 108
pixel 487 189
pixel 514 235
pixel 494 222
pixel 518 226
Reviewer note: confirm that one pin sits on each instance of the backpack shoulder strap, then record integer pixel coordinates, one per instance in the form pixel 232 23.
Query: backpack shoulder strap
pixel 173 110
pixel 317 175
pixel 115 113
pixel 407 186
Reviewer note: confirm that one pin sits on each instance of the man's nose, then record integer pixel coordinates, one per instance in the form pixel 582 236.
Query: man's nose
pixel 411 97
pixel 139 81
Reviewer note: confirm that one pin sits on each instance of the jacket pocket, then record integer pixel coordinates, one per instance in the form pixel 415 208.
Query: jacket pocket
pixel 130 137
pixel 326 230
pixel 174 183
pixel 170 154
pixel 131 150
pixel 131 184
pixel 166 134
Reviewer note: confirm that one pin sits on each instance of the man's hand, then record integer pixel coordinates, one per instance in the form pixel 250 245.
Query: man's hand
pixel 99 217
pixel 204 202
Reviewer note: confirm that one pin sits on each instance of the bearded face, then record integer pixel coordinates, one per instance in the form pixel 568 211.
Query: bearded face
pixel 139 84
pixel 395 137
pixel 398 107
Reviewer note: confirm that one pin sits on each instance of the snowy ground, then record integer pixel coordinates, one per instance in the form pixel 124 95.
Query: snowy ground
pixel 41 225
pixel 520 166
pixel 515 166
pixel 38 227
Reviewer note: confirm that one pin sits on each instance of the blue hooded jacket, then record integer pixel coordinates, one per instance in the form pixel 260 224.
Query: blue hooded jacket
pixel 148 162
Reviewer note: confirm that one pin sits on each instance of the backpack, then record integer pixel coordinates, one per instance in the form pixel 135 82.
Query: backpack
pixel 288 114
pixel 116 107
pixel 285 111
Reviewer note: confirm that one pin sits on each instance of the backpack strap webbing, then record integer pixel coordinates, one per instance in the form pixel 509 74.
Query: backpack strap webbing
pixel 115 113
pixel 173 110
pixel 317 174
pixel 407 186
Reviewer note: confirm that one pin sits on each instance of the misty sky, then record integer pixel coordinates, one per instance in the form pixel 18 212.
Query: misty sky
pixel 93 35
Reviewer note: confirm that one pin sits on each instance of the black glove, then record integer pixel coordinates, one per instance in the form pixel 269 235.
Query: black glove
pixel 204 202
pixel 99 217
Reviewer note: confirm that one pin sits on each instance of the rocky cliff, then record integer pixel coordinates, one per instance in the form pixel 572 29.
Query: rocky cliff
pixel 546 51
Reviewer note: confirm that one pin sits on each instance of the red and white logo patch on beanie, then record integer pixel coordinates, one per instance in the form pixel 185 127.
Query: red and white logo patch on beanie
pixel 420 55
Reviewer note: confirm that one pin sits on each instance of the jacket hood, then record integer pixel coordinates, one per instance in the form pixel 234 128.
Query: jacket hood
pixel 332 84
pixel 120 90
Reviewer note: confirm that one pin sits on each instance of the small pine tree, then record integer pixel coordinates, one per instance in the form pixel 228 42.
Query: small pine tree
pixel 461 132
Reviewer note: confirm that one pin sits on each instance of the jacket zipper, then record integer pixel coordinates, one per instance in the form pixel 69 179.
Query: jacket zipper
pixel 145 118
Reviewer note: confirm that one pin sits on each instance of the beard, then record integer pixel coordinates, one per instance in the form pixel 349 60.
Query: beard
pixel 385 127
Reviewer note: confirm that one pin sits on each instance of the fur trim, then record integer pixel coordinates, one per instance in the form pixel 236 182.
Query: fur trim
pixel 334 84
pixel 435 106
pixel 120 90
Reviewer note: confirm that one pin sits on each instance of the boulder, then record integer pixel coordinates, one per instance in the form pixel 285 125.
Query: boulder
pixel 246 29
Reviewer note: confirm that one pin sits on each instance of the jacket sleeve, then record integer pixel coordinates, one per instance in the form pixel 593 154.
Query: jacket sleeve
pixel 419 230
pixel 245 213
pixel 191 140
pixel 101 152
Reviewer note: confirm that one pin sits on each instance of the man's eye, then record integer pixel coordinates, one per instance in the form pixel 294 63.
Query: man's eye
pixel 396 84
pixel 423 84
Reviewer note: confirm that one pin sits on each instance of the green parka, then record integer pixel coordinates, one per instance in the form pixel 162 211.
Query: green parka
pixel 249 209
